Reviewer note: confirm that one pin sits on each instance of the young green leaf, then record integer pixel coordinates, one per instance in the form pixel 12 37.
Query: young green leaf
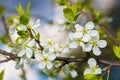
pixel 37 36
pixel 1 75
pixel 24 19
pixel 28 9
pixel 23 33
pixel 68 13
pixel 116 50
pixel 61 2
pixel 20 9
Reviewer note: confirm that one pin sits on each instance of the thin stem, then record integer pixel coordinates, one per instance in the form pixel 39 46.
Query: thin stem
pixel 108 76
pixel 32 36
pixel 6 28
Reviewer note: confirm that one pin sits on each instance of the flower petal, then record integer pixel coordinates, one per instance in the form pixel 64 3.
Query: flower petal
pixel 78 34
pixel 28 52
pixel 98 71
pixel 38 56
pixel 52 57
pixel 78 27
pixel 87 71
pixel 42 65
pixel 49 65
pixel 102 43
pixel 86 38
pixel 71 36
pixel 87 48
pixel 93 33
pixel 96 51
pixel 73 73
pixel 73 45
pixel 21 53
pixel 32 43
pixel 89 25
pixel 92 62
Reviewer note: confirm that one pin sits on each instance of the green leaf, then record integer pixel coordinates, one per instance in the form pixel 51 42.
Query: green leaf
pixel 28 9
pixel 68 13
pixel 37 37
pixel 1 75
pixel 10 20
pixel 23 33
pixel 20 10
pixel 116 50
pixel 4 39
pixel 61 2
pixel 24 19
pixel 92 77
pixel 89 76
pixel 1 10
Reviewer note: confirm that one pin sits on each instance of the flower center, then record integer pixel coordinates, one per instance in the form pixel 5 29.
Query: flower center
pixel 50 43
pixel 94 43
pixel 45 59
pixel 78 40
pixel 85 31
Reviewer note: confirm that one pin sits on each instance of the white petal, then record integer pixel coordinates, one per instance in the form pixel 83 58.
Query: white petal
pixel 92 62
pixel 65 50
pixel 89 25
pixel 73 73
pixel 93 33
pixel 71 36
pixel 52 57
pixel 98 71
pixel 73 45
pixel 96 51
pixel 78 27
pixel 87 71
pixel 38 56
pixel 86 38
pixel 102 43
pixel 78 34
pixel 49 65
pixel 22 27
pixel 11 30
pixel 21 53
pixel 28 52
pixel 87 48
pixel 16 21
pixel 32 43
pixel 42 65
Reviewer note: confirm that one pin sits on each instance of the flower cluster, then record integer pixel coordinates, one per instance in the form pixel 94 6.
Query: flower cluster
pixel 47 50
pixel 87 38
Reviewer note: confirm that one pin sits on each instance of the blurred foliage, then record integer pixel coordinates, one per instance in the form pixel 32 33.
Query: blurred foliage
pixel 1 75
pixel 116 50
pixel 1 10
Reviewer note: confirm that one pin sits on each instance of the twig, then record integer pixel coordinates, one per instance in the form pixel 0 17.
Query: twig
pixel 32 36
pixel 6 28
pixel 24 73
pixel 108 34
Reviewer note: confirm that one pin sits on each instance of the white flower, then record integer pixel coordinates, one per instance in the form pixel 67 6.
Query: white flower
pixel 75 42
pixel 69 69
pixel 94 44
pixel 56 49
pixel 85 33
pixel 27 49
pixel 45 59
pixel 34 23
pixel 93 68
pixel 48 42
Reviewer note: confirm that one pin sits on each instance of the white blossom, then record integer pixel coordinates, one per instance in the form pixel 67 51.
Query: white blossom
pixel 27 49
pixel 93 68
pixel 94 44
pixel 85 32
pixel 45 59
pixel 69 69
